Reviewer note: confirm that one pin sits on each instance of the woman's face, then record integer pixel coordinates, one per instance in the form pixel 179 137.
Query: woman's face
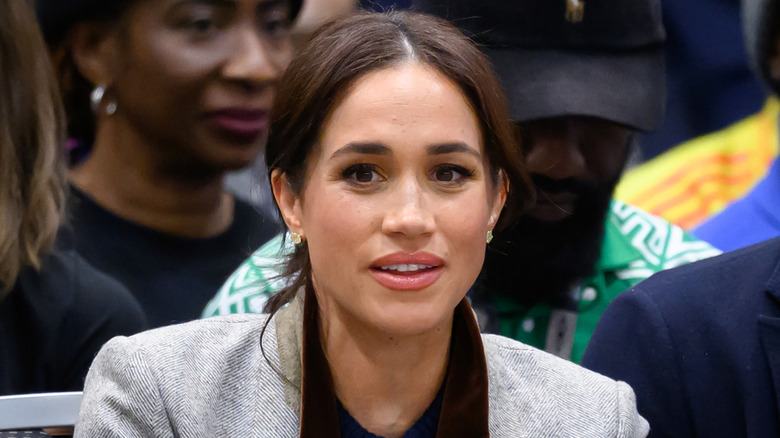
pixel 397 203
pixel 195 78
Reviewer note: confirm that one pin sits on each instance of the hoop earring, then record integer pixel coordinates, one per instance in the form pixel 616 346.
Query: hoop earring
pixel 295 238
pixel 96 99
pixel 489 237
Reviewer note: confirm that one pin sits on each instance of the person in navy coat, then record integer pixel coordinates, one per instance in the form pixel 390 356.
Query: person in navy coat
pixel 700 346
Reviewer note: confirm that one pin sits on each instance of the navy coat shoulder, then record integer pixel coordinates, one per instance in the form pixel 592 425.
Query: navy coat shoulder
pixel 700 345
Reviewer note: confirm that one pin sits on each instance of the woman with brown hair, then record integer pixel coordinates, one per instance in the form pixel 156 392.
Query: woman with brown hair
pixel 391 159
pixel 56 311
pixel 170 95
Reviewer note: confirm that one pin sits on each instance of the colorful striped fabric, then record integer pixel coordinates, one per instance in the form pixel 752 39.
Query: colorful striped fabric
pixel 699 178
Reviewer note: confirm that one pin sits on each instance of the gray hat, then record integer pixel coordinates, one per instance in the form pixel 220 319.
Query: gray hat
pixel 601 58
pixel 758 23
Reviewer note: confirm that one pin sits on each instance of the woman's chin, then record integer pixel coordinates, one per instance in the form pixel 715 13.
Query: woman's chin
pixel 411 321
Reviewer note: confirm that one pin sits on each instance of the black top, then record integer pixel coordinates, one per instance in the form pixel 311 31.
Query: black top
pixel 173 278
pixel 425 427
pixel 53 323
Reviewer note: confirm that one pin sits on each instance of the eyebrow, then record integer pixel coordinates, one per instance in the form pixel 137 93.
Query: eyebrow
pixel 371 148
pixel 451 148
pixel 363 148
pixel 272 3
pixel 263 4
pixel 209 2
pixel 214 3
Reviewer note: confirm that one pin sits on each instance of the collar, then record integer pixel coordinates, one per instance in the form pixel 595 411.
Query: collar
pixel 616 250
pixel 289 340
pixel 464 411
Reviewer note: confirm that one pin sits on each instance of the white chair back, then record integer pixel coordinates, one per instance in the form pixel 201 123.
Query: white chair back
pixel 39 411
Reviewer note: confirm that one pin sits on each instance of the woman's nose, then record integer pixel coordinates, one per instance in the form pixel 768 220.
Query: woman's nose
pixel 408 213
pixel 253 59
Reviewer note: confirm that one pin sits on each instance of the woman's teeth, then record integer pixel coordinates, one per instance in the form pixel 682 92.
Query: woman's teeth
pixel 404 268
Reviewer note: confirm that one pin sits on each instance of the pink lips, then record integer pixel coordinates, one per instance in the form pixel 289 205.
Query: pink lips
pixel 241 124
pixel 407 271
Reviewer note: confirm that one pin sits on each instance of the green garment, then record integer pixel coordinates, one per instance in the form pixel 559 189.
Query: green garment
pixel 636 245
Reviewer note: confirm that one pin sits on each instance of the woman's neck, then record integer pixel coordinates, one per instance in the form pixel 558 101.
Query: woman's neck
pixel 123 176
pixel 385 382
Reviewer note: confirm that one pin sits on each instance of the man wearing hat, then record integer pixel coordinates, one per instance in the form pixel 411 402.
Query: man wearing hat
pixel 700 345
pixel 582 78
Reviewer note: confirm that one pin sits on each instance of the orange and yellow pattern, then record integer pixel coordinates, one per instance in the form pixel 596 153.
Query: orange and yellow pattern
pixel 700 177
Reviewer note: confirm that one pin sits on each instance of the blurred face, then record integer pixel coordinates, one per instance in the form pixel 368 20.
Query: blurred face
pixel 574 163
pixel 397 203
pixel 572 160
pixel 195 78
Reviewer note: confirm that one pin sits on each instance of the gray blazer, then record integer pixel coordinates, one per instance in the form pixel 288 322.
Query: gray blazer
pixel 215 378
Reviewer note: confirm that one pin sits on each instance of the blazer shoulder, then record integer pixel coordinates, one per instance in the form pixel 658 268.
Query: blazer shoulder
pixel 711 283
pixel 736 265
pixel 515 357
pixel 571 399
pixel 203 378
pixel 201 341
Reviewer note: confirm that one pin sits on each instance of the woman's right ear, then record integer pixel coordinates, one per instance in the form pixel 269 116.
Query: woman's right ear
pixel 288 201
pixel 94 48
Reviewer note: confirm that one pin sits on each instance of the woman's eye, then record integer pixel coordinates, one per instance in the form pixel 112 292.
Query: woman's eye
pixel 361 174
pixel 201 20
pixel 202 25
pixel 275 22
pixel 446 174
pixel 364 175
pixel 450 174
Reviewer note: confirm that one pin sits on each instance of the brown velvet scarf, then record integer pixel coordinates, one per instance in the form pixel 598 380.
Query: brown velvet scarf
pixel 464 412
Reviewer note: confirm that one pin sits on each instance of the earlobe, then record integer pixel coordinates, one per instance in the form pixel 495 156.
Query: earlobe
pixel 288 201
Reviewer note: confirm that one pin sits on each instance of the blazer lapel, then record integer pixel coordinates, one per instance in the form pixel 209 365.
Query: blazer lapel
pixel 289 343
pixel 319 408
pixel 464 412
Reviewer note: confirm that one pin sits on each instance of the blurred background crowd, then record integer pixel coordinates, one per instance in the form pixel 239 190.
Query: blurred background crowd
pixel 135 192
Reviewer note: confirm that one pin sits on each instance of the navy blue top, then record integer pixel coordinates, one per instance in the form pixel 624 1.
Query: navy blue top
pixel 700 346
pixel 425 427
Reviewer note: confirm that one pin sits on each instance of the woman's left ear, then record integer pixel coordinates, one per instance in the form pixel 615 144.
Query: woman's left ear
pixel 288 201
pixel 499 199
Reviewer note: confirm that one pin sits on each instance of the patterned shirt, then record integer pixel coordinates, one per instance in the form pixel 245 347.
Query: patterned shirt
pixel 636 245
pixel 248 288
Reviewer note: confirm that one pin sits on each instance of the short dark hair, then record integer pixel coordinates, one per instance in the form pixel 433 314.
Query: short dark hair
pixel 56 18
pixel 349 48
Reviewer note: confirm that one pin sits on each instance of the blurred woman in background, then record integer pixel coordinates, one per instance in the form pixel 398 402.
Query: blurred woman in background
pixel 56 311
pixel 170 95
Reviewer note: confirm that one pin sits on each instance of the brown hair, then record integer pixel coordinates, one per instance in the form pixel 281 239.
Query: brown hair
pixel 348 48
pixel 32 174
